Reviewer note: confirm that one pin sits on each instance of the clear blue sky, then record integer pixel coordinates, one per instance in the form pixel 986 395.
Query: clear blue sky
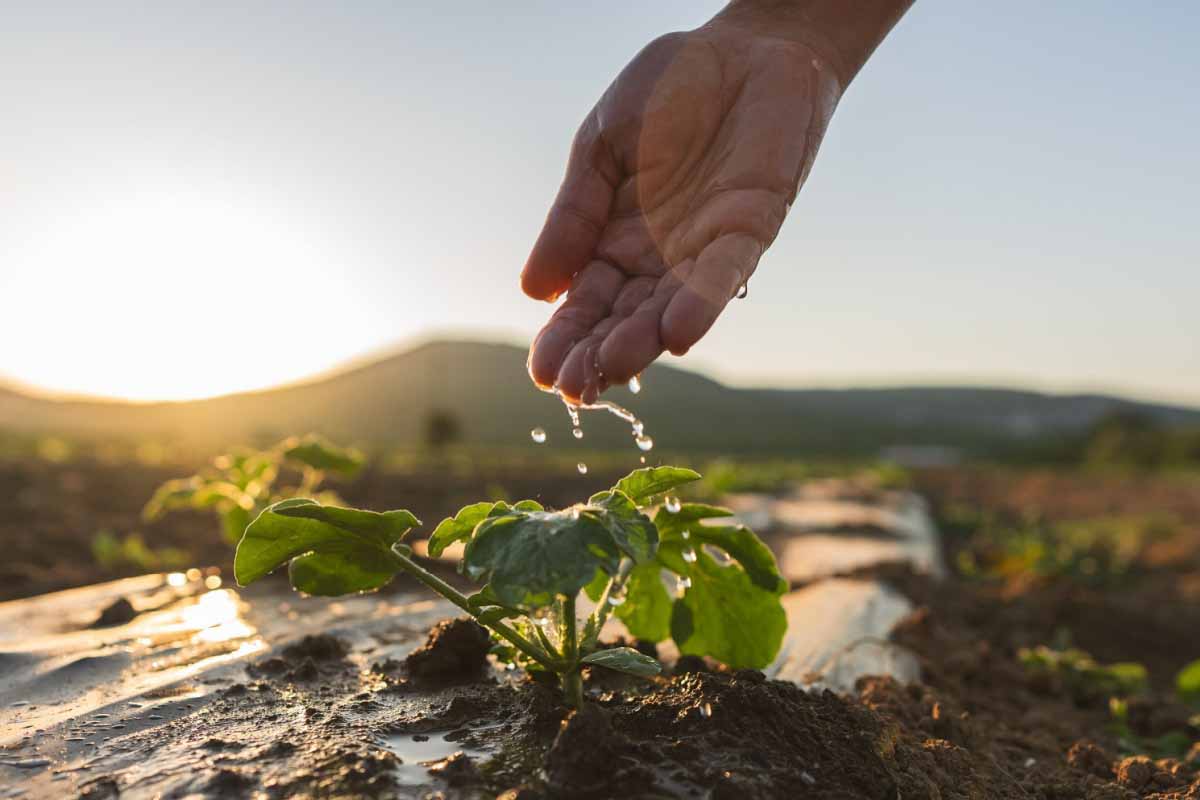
pixel 1008 192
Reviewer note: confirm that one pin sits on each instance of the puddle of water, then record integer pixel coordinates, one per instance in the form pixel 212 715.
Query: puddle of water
pixel 419 751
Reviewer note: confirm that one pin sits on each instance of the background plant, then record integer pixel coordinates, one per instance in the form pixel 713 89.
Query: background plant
pixel 714 589
pixel 240 484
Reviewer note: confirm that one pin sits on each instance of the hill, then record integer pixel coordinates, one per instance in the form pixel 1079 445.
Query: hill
pixel 483 386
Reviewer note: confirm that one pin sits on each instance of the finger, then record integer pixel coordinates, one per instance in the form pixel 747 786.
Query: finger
pixel 720 270
pixel 635 342
pixel 576 219
pixel 589 301
pixel 580 379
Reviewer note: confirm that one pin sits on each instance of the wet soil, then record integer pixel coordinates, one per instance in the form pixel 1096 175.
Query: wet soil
pixel 338 716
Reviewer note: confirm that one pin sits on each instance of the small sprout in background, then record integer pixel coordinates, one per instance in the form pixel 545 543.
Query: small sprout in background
pixel 531 565
pixel 1082 677
pixel 240 485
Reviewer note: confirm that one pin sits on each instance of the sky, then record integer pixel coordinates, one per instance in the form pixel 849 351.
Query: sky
pixel 197 198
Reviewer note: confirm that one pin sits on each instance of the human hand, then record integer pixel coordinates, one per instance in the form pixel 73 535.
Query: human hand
pixel 677 182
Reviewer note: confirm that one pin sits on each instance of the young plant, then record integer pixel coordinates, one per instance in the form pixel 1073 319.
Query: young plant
pixel 714 589
pixel 241 484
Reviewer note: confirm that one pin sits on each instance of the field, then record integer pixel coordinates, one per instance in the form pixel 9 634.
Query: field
pixel 1049 657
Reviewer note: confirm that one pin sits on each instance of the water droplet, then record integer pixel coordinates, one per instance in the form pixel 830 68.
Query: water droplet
pixel 689 556
pixel 687 535
pixel 639 428
pixel 582 467
pixel 616 600
pixel 635 385
pixel 543 621
pixel 682 585
pixel 538 435
pixel 577 433
pixel 573 413
pixel 706 710
pixel 642 459
pixel 645 443
pixel 742 291
pixel 673 505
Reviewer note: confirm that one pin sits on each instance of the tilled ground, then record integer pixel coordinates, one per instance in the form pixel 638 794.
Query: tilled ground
pixel 334 717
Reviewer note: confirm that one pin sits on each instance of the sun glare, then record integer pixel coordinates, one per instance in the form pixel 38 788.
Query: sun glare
pixel 173 295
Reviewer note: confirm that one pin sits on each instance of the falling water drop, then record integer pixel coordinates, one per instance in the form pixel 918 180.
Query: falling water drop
pixel 686 535
pixel 645 443
pixel 538 435
pixel 673 505
pixel 577 433
pixel 742 291
pixel 706 710
pixel 635 385
pixel 573 413
pixel 689 556
pixel 582 467
pixel 642 459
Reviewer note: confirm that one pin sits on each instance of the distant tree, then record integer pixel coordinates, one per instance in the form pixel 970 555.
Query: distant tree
pixel 442 429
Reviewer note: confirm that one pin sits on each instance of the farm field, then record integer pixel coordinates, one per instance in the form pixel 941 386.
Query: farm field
pixel 1045 566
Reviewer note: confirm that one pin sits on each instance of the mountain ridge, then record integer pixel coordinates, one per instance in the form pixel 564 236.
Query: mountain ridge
pixel 387 401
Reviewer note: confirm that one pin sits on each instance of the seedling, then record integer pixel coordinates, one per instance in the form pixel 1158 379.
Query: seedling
pixel 240 485
pixel 714 589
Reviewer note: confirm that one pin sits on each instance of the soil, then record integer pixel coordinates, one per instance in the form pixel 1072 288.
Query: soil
pixel 337 717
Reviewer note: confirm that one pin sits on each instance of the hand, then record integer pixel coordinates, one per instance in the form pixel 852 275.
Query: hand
pixel 677 182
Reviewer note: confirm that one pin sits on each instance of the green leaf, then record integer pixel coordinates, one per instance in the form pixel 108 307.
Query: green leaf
pixel 625 659
pixel 490 614
pixel 643 484
pixel 233 523
pixel 739 542
pixel 646 611
pixel 314 451
pixel 1187 682
pixel 298 527
pixel 632 530
pixel 529 557
pixel 725 615
pixel 177 493
pixel 596 587
pixel 334 574
pixel 687 517
pixel 460 527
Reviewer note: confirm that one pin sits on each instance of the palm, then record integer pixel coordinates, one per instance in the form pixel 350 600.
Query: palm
pixel 678 181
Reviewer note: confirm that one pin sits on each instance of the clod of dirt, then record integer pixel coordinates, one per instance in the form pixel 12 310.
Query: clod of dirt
pixel 1090 758
pixel 687 664
pixel 305 671
pixel 584 760
pixel 457 770
pixel 118 612
pixel 321 647
pixel 102 788
pixel 456 650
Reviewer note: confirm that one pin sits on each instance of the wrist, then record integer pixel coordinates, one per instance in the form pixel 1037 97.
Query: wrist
pixel 843 33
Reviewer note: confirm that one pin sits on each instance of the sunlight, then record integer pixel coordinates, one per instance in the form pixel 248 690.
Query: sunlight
pixel 174 294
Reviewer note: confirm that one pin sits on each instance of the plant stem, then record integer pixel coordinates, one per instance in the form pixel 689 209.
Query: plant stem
pixel 572 680
pixel 459 599
pixel 603 607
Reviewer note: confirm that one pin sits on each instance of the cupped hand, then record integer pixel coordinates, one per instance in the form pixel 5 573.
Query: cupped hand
pixel 677 182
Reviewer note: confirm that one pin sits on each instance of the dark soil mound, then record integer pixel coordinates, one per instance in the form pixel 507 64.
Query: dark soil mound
pixel 456 650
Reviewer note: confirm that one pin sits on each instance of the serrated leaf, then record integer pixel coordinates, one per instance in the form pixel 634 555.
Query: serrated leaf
pixel 298 527
pixel 530 557
pixel 632 530
pixel 624 659
pixel 646 610
pixel 459 527
pixel 316 452
pixel 723 614
pixel 643 484
pixel 739 542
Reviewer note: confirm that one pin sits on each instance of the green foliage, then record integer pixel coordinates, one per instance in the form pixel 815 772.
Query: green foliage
pixel 241 484
pixel 532 564
pixel 1081 676
pixel 1187 683
pixel 112 552
pixel 1095 551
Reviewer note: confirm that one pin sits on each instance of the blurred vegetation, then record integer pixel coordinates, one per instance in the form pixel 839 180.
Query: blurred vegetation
pixel 240 484
pixel 1097 551
pixel 116 554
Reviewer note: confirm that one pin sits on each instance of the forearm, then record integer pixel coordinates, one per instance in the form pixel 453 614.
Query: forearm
pixel 845 31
